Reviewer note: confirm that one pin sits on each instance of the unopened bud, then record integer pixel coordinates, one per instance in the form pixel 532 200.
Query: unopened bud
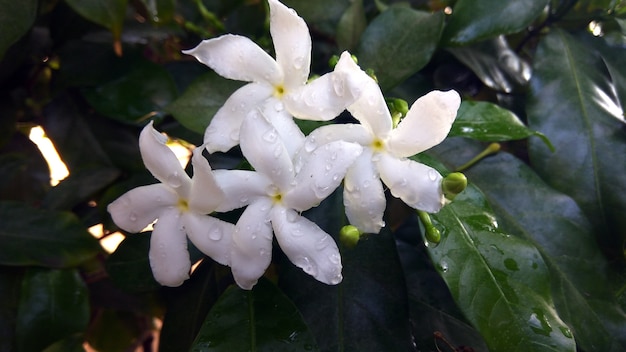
pixel 453 184
pixel 432 234
pixel 370 72
pixel 349 236
pixel 332 62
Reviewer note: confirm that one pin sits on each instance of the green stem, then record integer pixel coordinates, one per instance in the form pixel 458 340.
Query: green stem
pixel 491 149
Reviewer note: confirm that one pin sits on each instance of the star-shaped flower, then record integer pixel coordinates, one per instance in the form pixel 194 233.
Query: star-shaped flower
pixel 279 87
pixel 274 195
pixel 386 150
pixel 180 204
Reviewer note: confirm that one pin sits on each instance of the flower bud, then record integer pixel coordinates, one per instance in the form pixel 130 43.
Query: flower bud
pixel 349 236
pixel 453 184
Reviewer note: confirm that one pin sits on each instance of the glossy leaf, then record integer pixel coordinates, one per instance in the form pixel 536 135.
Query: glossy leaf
pixel 474 20
pixel 320 10
pixel 107 13
pixel 580 277
pixel 398 43
pixel 78 187
pixel 351 26
pixel 196 107
pixel 15 20
pixel 574 103
pixel 500 282
pixel 53 305
pixel 348 316
pixel 24 173
pixel 10 286
pixel 129 266
pixel 489 122
pixel 48 238
pixel 141 93
pixel 262 319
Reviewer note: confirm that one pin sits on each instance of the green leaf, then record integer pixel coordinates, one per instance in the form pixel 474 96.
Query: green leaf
pixel 319 10
pixel 262 319
pixel 114 330
pixel 196 107
pixel 78 187
pixel 10 286
pixel 398 43
pixel 143 92
pixel 495 63
pixel 73 343
pixel 48 238
pixel 16 18
pixel 500 282
pixel 349 316
pixel 474 20
pixel 573 102
pixel 489 122
pixel 160 11
pixel 24 173
pixel 107 13
pixel 351 26
pixel 129 265
pixel 53 305
pixel 579 274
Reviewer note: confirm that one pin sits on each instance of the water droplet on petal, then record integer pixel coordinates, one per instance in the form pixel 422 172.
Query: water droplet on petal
pixel 132 216
pixel 306 265
pixel 310 144
pixel 234 135
pixel 174 180
pixel 336 279
pixel 215 234
pixel 432 175
pixel 279 106
pixel 322 243
pixel 334 258
pixel 292 216
pixel 338 86
pixel 270 136
pixel 278 151
pixel 298 62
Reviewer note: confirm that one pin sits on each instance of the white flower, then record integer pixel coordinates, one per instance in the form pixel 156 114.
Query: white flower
pixel 274 195
pixel 386 150
pixel 180 204
pixel 279 87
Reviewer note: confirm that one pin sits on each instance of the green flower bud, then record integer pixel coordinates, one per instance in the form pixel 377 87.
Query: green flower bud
pixel 433 235
pixel 349 236
pixel 370 72
pixel 453 184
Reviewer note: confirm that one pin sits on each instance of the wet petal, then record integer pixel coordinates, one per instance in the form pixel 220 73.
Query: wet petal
pixel 322 99
pixel 251 251
pixel 169 258
pixel 211 236
pixel 292 43
pixel 139 207
pixel 321 174
pixel 426 124
pixel 205 194
pixel 418 185
pixel 161 161
pixel 287 129
pixel 363 195
pixel 241 187
pixel 307 246
pixel 239 58
pixel 265 150
pixel 223 131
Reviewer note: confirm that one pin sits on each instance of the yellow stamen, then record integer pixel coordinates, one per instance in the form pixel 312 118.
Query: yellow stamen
pixel 279 91
pixel 277 198
pixel 183 205
pixel 378 145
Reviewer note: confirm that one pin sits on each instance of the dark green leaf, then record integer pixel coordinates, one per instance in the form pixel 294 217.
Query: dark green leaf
pixel 71 344
pixel 10 286
pixel 33 236
pixel 135 97
pixel 262 319
pixel 574 103
pixel 398 43
pixel 580 277
pixel 319 10
pixel 16 18
pixel 129 266
pixel 500 282
pixel 351 26
pixel 473 20
pixel 160 11
pixel 24 173
pixel 368 311
pixel 495 64
pixel 114 330
pixel 196 107
pixel 53 305
pixel 489 122
pixel 107 13
pixel 78 187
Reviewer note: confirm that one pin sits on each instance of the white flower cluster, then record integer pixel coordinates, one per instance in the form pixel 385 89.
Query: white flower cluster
pixel 292 172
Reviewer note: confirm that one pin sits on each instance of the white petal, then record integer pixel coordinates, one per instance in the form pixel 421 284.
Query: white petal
pixel 205 195
pixel 241 187
pixel 169 258
pixel 363 195
pixel 322 99
pixel 292 43
pixel 418 185
pixel 161 161
pixel 321 174
pixel 239 58
pixel 139 207
pixel 211 236
pixel 251 251
pixel 287 129
pixel 426 124
pixel 223 131
pixel 307 246
pixel 370 108
pixel 265 150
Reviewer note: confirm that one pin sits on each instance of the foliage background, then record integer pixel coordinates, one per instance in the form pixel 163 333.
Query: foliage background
pixel 532 253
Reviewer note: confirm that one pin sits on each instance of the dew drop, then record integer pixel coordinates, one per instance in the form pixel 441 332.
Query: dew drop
pixel 336 279
pixel 310 144
pixel 432 175
pixel 328 167
pixel 306 265
pixel 234 135
pixel 443 266
pixel 270 136
pixel 132 216
pixel 279 106
pixel 278 151
pixel 174 180
pixel 298 62
pixel 215 234
pixel 334 258
pixel 322 243
pixel 338 86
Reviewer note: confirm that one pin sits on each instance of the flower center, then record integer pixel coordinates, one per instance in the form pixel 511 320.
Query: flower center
pixel 378 145
pixel 279 91
pixel 277 198
pixel 182 205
